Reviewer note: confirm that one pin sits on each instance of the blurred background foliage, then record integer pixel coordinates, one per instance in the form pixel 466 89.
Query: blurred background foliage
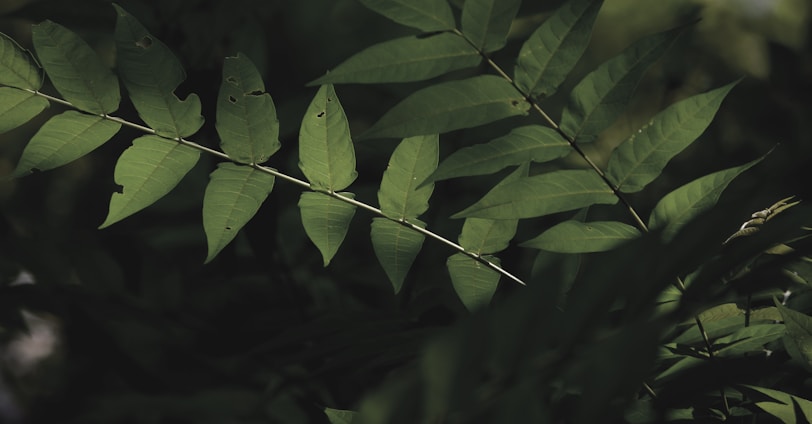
pixel 133 328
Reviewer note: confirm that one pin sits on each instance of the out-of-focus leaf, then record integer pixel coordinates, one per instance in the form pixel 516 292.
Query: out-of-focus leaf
pixel 487 22
pixel 339 416
pixel 326 221
pixel 425 15
pixel 581 237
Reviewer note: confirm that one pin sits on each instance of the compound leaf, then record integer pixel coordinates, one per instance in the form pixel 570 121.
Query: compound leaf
pixel 246 116
pixel 396 248
pixel 75 69
pixel 583 237
pixel 148 170
pixel 451 106
pixel 63 139
pixel 425 15
pixel 487 22
pixel 151 74
pixel 18 107
pixel 326 221
pixel 17 68
pixel 412 161
pixel 548 56
pixel 474 282
pixel 233 196
pixel 405 59
pixel 642 157
pixel 326 153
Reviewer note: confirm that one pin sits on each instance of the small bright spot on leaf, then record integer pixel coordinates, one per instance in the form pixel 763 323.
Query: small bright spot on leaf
pixel 145 42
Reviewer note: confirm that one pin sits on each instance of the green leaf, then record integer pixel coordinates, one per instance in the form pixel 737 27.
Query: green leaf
pixel 75 69
pixel 18 107
pixel 233 195
pixel 681 205
pixel 542 194
pixel 799 334
pixel 529 143
pixel 451 106
pixel 413 160
pixel 747 340
pixel 474 282
pixel 326 154
pixel 405 59
pixel 148 170
pixel 580 237
pixel 151 74
pixel 339 416
pixel 425 15
pixel 603 94
pixel 396 248
pixel 643 156
pixel 17 68
pixel 487 22
pixel 548 56
pixel 785 407
pixel 63 139
pixel 246 116
pixel 326 221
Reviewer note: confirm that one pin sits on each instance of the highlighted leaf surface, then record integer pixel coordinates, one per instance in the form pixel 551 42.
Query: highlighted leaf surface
pixel 580 237
pixel 18 107
pixel 425 15
pixel 487 22
pixel 326 221
pixel 474 282
pixel 413 160
pixel 396 248
pixel 17 68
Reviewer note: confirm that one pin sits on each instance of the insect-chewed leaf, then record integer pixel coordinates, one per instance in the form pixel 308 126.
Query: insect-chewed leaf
pixel 542 194
pixel 396 248
pixel 681 205
pixel 785 407
pixel 17 68
pixel 148 170
pixel 413 160
pixel 487 22
pixel 75 69
pixel 642 157
pixel 548 56
pixel 151 74
pixel 425 15
pixel 474 282
pixel 233 196
pixel 583 237
pixel 326 153
pixel 246 116
pixel 326 221
pixel 451 106
pixel 798 340
pixel 603 94
pixel 339 416
pixel 529 143
pixel 63 139
pixel 18 107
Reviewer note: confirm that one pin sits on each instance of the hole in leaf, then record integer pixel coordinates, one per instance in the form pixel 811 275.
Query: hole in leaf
pixel 514 103
pixel 329 99
pixel 232 99
pixel 228 228
pixel 320 115
pixel 232 80
pixel 145 42
pixel 254 93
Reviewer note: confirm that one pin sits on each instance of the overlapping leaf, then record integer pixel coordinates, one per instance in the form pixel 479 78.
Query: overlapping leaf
pixel 581 237
pixel 603 94
pixel 75 69
pixel 451 106
pixel 798 340
pixel 17 68
pixel 246 116
pixel 542 194
pixel 63 139
pixel 548 56
pixel 233 196
pixel 326 221
pixel 148 170
pixel 151 74
pixel 487 22
pixel 18 107
pixel 786 406
pixel 396 248
pixel 474 282
pixel 405 59
pixel 529 143
pixel 425 15
pixel 642 157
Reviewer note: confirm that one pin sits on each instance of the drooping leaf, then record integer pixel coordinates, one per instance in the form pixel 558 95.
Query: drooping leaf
pixel 63 139
pixel 75 69
pixel 785 406
pixel 603 94
pixel 405 59
pixel 413 160
pixel 396 248
pixel 151 73
pixel 529 143
pixel 246 116
pixel 17 67
pixel 681 205
pixel 798 340
pixel 18 107
pixel 487 22
pixel 326 153
pixel 451 106
pixel 425 15
pixel 542 194
pixel 643 156
pixel 233 196
pixel 148 170
pixel 583 237
pixel 474 282
pixel 548 56
pixel 326 221
pixel 339 416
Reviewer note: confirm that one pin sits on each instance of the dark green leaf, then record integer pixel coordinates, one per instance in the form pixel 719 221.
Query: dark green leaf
pixel 474 282
pixel 580 237
pixel 785 407
pixel 396 248
pixel 487 22
pixel 747 340
pixel 425 15
pixel 17 68
pixel 18 107
pixel 326 221
pixel 339 416
pixel 799 334
pixel 413 160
